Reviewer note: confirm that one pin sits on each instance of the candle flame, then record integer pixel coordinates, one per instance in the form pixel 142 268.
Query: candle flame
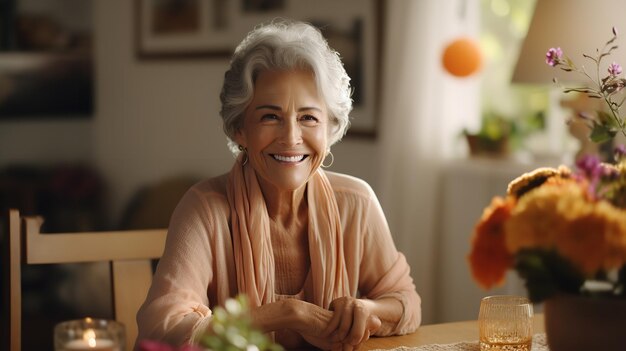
pixel 90 337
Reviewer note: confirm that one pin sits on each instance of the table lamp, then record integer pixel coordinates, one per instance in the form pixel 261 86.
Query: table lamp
pixel 578 27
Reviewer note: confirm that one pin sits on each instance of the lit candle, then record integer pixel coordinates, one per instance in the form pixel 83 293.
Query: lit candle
pixel 90 343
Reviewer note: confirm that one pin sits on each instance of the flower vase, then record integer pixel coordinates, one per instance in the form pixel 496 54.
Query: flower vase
pixel 577 323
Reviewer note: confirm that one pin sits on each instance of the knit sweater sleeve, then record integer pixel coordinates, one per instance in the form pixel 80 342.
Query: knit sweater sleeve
pixel 384 271
pixel 376 269
pixel 177 302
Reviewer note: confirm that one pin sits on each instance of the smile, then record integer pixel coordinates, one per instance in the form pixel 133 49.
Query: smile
pixel 290 159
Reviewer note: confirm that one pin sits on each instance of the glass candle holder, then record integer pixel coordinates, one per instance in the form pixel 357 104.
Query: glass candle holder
pixel 89 334
pixel 505 323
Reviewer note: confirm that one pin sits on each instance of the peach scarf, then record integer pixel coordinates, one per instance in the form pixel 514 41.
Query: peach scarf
pixel 254 258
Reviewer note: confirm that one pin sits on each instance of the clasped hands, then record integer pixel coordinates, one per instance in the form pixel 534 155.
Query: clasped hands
pixel 344 326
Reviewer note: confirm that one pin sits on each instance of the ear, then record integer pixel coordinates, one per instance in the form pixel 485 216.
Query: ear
pixel 240 138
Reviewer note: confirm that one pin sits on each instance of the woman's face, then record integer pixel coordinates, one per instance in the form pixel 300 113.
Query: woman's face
pixel 285 128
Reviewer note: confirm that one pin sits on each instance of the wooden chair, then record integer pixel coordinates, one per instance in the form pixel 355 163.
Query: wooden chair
pixel 128 252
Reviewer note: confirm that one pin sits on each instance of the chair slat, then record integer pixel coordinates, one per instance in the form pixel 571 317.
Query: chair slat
pixel 129 252
pixel 91 246
pixel 131 281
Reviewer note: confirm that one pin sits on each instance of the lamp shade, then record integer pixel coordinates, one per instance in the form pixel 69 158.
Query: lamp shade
pixel 576 26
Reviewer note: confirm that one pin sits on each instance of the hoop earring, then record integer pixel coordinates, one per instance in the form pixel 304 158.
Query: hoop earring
pixel 332 160
pixel 245 155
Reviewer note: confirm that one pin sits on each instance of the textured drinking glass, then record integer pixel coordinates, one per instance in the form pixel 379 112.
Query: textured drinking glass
pixel 89 334
pixel 505 323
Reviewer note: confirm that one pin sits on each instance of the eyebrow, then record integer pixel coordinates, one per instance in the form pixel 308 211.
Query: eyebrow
pixel 277 108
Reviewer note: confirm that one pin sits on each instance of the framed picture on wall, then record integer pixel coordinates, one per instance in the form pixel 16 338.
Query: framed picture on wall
pixel 177 29
pixel 46 59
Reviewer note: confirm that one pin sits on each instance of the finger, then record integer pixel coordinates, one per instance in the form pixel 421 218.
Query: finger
pixel 366 337
pixel 332 325
pixel 373 324
pixel 346 322
pixel 337 347
pixel 347 347
pixel 359 324
pixel 337 306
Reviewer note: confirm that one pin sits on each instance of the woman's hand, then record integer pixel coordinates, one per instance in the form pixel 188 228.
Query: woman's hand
pixel 348 324
pixel 352 323
pixel 313 324
pixel 304 318
pixel 311 321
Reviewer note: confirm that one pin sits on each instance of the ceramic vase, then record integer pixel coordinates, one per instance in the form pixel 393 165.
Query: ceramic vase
pixel 577 323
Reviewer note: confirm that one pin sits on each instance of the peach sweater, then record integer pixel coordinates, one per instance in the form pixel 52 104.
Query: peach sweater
pixel 205 262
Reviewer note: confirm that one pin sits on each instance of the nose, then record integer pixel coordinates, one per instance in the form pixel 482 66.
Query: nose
pixel 291 132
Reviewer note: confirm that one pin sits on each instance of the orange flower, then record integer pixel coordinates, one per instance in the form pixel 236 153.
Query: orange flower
pixel 542 213
pixel 595 238
pixel 489 258
pixel 561 215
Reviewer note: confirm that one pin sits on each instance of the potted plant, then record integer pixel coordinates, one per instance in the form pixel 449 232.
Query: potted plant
pixel 564 231
pixel 499 135
pixel 493 137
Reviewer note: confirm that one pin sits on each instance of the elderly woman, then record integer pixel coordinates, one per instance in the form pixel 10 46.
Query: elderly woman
pixel 311 249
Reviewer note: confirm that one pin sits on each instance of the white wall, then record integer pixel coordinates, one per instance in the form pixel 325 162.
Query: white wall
pixel 45 142
pixel 153 119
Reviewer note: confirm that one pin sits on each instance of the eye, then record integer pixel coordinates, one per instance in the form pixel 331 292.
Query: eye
pixel 269 117
pixel 309 119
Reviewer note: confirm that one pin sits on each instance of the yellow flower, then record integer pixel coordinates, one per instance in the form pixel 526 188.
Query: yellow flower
pixel 595 237
pixel 560 215
pixel 542 213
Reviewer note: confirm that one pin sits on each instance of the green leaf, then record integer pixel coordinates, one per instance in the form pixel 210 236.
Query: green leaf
pixel 231 329
pixel 601 133
pixel 607 119
pixel 546 273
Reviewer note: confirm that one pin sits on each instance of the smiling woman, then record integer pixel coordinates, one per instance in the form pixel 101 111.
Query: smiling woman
pixel 277 228
pixel 285 130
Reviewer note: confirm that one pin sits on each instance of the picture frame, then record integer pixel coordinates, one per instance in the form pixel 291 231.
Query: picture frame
pixel 188 29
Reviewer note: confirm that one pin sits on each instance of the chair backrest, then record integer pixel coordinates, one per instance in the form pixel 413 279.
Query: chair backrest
pixel 128 252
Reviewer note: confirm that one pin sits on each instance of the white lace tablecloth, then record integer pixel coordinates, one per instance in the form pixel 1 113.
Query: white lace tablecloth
pixel 539 344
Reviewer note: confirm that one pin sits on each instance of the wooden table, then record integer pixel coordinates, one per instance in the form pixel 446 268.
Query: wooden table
pixel 445 333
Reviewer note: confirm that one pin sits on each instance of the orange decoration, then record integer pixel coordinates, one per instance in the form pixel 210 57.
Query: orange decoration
pixel 462 57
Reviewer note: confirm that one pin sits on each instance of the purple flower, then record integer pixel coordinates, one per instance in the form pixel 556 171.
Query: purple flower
pixel 615 69
pixel 590 167
pixel 588 164
pixel 553 56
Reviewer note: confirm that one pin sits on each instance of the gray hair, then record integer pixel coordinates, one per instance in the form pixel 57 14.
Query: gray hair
pixel 285 45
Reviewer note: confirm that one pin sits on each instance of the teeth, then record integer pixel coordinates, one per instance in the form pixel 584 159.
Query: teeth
pixel 289 158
